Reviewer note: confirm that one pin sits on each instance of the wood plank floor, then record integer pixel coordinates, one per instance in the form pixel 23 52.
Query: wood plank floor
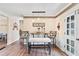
pixel 2 44
pixel 18 49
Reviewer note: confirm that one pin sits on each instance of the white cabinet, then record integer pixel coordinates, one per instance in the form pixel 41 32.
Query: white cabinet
pixel 77 48
pixel 77 33
pixel 72 33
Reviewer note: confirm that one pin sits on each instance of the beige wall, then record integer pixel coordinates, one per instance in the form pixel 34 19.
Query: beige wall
pixel 3 24
pixel 6 26
pixel 50 24
pixel 61 39
pixel 13 35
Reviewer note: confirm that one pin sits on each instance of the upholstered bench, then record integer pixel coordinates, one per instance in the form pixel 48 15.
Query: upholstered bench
pixel 46 42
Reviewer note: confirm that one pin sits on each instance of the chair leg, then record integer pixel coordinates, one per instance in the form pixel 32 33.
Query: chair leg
pixel 49 46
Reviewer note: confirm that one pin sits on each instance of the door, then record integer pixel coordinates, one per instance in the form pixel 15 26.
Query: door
pixel 70 34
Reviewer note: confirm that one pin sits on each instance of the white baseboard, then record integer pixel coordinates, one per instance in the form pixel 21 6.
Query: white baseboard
pixel 12 42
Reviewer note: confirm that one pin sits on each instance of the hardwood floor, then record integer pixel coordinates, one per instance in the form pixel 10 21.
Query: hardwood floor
pixel 2 44
pixel 18 49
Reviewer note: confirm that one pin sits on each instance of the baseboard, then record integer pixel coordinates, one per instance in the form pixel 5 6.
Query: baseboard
pixel 11 42
pixel 8 43
pixel 2 48
pixel 62 51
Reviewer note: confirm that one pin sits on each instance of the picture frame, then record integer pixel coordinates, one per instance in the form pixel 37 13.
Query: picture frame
pixel 38 24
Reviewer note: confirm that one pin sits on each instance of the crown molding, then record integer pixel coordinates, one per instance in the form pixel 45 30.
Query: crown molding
pixel 70 5
pixel 39 16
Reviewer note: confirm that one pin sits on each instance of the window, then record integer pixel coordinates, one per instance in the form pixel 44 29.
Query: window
pixel 72 50
pixel 68 19
pixel 67 32
pixel 67 25
pixel 72 32
pixel 67 41
pixel 72 17
pixel 72 43
pixel 72 25
pixel 68 48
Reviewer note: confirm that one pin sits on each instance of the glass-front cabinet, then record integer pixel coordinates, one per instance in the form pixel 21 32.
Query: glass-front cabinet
pixel 70 34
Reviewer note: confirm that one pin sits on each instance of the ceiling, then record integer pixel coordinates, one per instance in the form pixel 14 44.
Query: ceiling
pixel 25 9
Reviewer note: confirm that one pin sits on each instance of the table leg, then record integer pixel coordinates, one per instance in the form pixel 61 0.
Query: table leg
pixel 29 47
pixel 44 45
pixel 49 46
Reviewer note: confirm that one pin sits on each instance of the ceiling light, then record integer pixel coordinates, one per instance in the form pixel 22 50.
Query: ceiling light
pixel 38 12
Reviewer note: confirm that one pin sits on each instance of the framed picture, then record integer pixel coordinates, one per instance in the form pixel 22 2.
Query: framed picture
pixel 38 24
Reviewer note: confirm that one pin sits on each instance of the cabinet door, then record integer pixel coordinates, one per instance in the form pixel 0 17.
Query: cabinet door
pixel 70 34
